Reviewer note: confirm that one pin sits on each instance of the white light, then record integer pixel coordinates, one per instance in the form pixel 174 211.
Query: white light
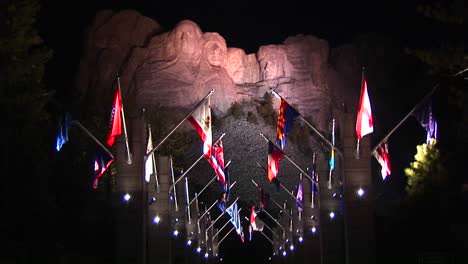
pixel 332 215
pixel 314 229
pixel 177 219
pixel 287 240
pixel 175 233
pixel 198 249
pixel 156 220
pixel 127 197
pixel 206 255
pixel 221 259
pixel 301 239
pixel 360 192
pixel 284 253
pixel 189 242
pixel 269 258
pixel 291 247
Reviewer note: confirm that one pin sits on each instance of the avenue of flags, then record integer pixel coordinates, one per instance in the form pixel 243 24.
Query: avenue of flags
pixel 213 151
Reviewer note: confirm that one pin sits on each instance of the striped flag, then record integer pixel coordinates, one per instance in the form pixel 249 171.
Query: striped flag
pixel 201 121
pixel 274 157
pixel 115 119
pixel 287 115
pixel 102 161
pixel 381 154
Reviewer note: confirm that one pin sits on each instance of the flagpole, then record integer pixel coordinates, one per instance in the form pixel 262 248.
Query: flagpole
pixel 76 122
pixel 269 228
pixel 406 117
pixel 221 229
pixel 129 155
pixel 271 241
pixel 312 200
pixel 331 169
pixel 290 160
pixel 187 199
pixel 180 123
pixel 310 125
pixel 191 167
pixel 175 191
pixel 227 234
pixel 258 186
pixel 206 186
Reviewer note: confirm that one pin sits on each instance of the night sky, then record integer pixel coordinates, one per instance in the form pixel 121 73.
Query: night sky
pixel 63 26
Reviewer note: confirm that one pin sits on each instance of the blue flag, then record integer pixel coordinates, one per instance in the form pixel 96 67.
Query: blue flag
pixel 426 118
pixel 102 161
pixel 299 197
pixel 287 115
pixel 64 126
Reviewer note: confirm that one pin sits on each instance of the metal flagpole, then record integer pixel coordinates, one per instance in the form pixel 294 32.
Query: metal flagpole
pixel 290 160
pixel 187 198
pixel 223 213
pixel 175 191
pixel 76 122
pixel 129 155
pixel 180 123
pixel 414 109
pixel 227 234
pixel 219 231
pixel 193 165
pixel 206 186
pixel 271 241
pixel 310 125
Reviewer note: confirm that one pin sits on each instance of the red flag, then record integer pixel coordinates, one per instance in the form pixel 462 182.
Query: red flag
pixel 216 160
pixel 201 121
pixel 116 118
pixel 381 154
pixel 102 161
pixel 274 157
pixel 364 123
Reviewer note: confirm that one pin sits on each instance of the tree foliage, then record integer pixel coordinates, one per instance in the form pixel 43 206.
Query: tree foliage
pixel 426 173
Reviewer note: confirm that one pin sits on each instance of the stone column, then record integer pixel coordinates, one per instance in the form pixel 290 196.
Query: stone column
pixel 359 210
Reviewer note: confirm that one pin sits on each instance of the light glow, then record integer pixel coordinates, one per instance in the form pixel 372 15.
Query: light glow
pixel 360 192
pixel 291 247
pixel 301 239
pixel 127 197
pixel 156 220
pixel 314 230
pixel 332 215
pixel 198 249
pixel 189 242
pixel 175 233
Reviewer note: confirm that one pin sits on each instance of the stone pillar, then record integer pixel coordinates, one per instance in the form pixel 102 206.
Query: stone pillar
pixel 359 210
pixel 129 222
pixel 159 234
pixel 331 230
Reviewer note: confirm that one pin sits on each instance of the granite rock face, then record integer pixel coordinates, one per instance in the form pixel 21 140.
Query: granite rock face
pixel 176 68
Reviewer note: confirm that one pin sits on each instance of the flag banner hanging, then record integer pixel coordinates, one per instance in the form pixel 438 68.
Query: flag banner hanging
pixel 224 200
pixel 102 161
pixel 201 121
pixel 150 164
pixel 287 115
pixel 216 160
pixel 64 126
pixel 274 157
pixel 426 118
pixel 257 224
pixel 382 156
pixel 364 122
pixel 235 219
pixel 299 197
pixel 115 119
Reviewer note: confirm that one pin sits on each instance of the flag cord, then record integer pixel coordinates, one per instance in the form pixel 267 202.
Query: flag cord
pixel 180 123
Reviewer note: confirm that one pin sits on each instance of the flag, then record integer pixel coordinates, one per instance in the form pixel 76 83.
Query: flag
pixel 257 224
pixel 222 202
pixel 216 160
pixel 201 121
pixel 364 123
pixel 287 115
pixel 299 197
pixel 381 154
pixel 102 161
pixel 332 157
pixel 150 164
pixel 235 219
pixel 274 157
pixel 426 118
pixel 115 118
pixel 64 126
